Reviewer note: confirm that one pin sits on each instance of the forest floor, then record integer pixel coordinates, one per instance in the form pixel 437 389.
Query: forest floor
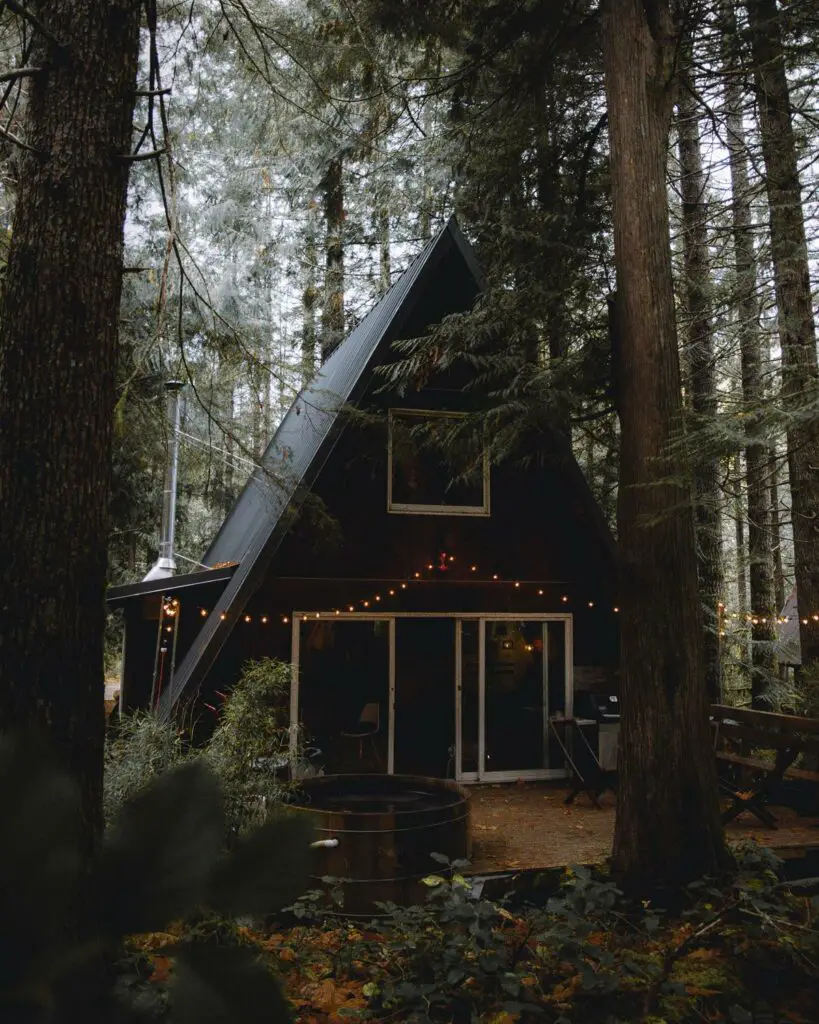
pixel 520 826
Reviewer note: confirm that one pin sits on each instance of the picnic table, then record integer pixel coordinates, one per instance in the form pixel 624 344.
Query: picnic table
pixel 755 751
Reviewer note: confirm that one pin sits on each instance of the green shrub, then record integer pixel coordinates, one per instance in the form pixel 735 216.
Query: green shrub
pixel 137 749
pixel 249 751
pixel 162 861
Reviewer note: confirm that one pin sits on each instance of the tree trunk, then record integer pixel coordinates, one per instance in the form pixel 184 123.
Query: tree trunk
pixel 332 333
pixel 385 270
pixel 760 556
pixel 797 333
pixel 308 303
pixel 742 570
pixel 668 829
pixel 58 353
pixel 776 531
pixel 697 304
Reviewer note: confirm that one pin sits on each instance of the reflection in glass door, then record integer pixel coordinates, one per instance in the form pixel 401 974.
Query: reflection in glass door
pixel 512 676
pixel 515 696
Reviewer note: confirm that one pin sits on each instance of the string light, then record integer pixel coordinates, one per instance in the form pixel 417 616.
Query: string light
pixel 473 568
pixel 248 618
pixel 203 612
pixel 540 593
pixel 264 620
pixel 285 620
pixel 615 609
pixel 564 599
pixel 378 597
pixel 392 593
pixel 517 584
pixel 591 604
pixel 495 576
pixel 223 616
pixel 403 587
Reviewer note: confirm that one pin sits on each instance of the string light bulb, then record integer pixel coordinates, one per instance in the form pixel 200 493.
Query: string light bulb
pixel 403 586
pixel 248 618
pixel 223 616
pixel 203 612
pixel 495 576
pixel 392 593
pixel 516 583
pixel 350 608
pixel 591 604
pixel 264 620
pixel 540 593
pixel 473 568
pixel 285 619
pixel 564 599
pixel 378 597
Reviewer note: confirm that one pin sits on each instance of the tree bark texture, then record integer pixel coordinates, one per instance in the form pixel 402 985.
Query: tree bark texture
pixel 668 829
pixel 797 332
pixel 58 352
pixel 697 304
pixel 332 333
pixel 760 555
pixel 309 298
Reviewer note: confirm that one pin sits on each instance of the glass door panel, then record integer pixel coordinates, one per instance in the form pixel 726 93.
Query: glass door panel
pixel 469 696
pixel 344 693
pixel 555 644
pixel 425 697
pixel 515 696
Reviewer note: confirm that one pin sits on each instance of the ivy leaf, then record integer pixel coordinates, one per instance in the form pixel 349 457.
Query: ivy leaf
pixel 161 850
pixel 39 854
pixel 225 985
pixel 265 871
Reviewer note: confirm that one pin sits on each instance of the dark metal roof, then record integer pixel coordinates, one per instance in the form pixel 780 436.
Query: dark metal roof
pixel 306 436
pixel 789 645
pixel 116 596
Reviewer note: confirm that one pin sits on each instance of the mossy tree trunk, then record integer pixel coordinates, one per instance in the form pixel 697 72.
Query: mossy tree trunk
pixel 668 828
pixel 797 330
pixel 58 353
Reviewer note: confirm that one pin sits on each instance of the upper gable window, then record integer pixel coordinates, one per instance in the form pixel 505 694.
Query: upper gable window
pixel 430 472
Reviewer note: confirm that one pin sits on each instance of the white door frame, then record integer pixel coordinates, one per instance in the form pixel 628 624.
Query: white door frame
pixel 482 617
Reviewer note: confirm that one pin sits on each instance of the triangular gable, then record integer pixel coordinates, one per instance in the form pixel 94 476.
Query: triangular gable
pixel 257 523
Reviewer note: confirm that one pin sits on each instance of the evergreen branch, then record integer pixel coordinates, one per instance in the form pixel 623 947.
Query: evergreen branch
pixel 11 76
pixel 23 12
pixel 150 92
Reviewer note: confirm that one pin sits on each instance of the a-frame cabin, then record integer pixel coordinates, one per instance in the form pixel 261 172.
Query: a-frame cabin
pixel 450 613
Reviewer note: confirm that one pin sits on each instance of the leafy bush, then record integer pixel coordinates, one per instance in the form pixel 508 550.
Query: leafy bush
pixel 162 860
pixel 736 951
pixel 250 748
pixel 138 749
pixel 249 751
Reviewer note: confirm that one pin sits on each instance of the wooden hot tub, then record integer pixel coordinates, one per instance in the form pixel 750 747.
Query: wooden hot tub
pixel 380 831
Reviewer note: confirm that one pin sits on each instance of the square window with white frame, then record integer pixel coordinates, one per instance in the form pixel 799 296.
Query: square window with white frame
pixel 435 466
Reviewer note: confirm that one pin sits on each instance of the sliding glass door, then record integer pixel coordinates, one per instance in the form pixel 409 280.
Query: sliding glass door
pixel 513 675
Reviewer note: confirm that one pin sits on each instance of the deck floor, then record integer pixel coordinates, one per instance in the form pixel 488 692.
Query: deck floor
pixel 521 826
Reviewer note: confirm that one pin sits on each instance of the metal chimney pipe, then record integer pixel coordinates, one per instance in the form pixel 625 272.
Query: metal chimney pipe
pixel 165 565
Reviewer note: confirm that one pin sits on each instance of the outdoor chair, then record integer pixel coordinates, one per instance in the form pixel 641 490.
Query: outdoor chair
pixel 369 725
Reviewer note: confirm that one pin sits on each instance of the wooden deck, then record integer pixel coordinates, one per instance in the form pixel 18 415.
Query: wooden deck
pixel 525 826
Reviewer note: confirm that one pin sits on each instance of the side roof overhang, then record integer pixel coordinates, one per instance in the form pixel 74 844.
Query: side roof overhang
pixel 253 530
pixel 117 596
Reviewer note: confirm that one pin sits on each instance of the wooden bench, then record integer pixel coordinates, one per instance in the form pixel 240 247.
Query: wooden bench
pixel 748 776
